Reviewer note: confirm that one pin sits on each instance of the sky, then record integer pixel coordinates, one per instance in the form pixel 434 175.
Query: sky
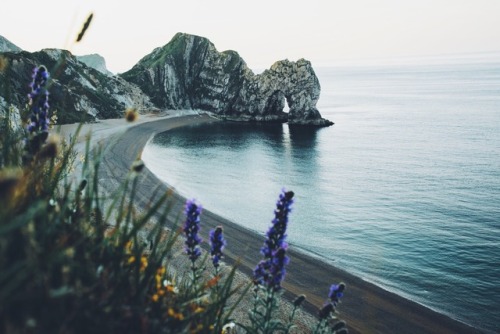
pixel 326 32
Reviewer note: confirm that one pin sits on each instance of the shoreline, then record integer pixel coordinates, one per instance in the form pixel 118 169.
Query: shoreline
pixel 366 308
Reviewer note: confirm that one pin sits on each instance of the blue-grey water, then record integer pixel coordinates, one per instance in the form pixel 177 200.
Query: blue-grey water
pixel 404 189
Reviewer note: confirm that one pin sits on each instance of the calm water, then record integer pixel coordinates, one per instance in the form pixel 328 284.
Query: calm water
pixel 404 190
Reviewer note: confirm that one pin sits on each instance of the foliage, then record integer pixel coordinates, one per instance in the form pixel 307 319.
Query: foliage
pixel 74 259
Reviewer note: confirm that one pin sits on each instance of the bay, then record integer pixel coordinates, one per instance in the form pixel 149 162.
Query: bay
pixel 404 189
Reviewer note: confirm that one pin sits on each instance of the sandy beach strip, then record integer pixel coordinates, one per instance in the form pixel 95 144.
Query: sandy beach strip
pixel 365 307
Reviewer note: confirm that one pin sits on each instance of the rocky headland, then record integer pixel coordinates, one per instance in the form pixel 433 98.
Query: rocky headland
pixel 95 61
pixel 78 93
pixel 189 73
pixel 186 73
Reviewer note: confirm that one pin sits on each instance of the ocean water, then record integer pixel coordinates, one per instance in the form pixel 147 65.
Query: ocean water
pixel 404 189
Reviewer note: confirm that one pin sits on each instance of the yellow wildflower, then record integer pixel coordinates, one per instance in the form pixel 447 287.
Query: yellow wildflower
pixel 144 262
pixel 170 287
pixel 128 247
pixel 175 315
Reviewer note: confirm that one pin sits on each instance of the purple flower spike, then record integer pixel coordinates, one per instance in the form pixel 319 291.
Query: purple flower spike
pixel 277 233
pixel 217 243
pixel 39 101
pixel 277 269
pixel 261 272
pixel 191 230
pixel 336 292
pixel 271 270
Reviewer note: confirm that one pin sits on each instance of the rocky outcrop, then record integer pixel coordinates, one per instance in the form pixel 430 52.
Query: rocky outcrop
pixel 295 83
pixel 77 92
pixel 95 61
pixel 189 73
pixel 8 46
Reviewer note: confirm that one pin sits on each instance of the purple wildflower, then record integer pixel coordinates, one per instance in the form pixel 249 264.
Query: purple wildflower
pixel 261 272
pixel 277 269
pixel 271 270
pixel 276 234
pixel 336 292
pixel 39 101
pixel 191 229
pixel 217 242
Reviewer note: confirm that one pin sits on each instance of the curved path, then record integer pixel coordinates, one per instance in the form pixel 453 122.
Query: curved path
pixel 365 307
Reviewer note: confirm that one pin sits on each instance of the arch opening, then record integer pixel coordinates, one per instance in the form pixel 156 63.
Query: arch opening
pixel 286 108
pixel 278 103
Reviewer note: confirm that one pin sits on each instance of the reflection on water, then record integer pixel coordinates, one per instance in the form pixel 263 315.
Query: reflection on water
pixel 304 137
pixel 237 158
pixel 233 135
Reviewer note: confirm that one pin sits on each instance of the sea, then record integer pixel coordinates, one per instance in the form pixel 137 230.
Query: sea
pixel 403 191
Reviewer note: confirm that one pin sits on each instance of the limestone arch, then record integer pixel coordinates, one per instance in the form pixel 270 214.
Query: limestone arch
pixel 278 102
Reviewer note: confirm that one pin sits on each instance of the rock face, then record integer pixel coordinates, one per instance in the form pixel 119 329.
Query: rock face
pixel 95 61
pixel 189 73
pixel 77 92
pixel 8 46
pixel 264 95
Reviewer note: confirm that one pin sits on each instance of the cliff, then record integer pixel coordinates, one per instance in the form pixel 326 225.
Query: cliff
pixel 186 73
pixel 77 92
pixel 8 46
pixel 95 61
pixel 189 73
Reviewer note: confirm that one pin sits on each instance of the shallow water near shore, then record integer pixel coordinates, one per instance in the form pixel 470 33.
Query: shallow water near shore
pixel 404 190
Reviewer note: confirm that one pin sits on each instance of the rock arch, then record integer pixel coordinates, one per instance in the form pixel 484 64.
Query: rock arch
pixel 276 102
pixel 264 95
pixel 191 73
